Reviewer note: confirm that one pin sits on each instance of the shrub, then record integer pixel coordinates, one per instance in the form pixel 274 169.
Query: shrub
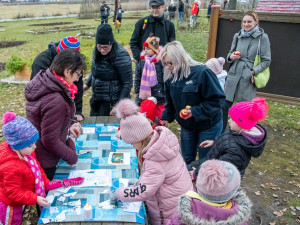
pixel 15 64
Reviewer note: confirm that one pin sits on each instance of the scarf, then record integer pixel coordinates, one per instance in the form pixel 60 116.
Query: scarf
pixel 149 77
pixel 248 34
pixel 39 183
pixel 225 205
pixel 255 135
pixel 72 88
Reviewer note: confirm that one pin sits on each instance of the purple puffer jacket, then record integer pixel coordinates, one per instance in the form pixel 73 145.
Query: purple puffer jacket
pixel 164 178
pixel 50 108
pixel 192 211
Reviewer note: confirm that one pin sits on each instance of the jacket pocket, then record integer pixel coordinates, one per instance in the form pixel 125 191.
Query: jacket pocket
pixel 190 95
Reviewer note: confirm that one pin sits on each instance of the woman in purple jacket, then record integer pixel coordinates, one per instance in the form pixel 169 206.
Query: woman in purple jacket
pixel 50 108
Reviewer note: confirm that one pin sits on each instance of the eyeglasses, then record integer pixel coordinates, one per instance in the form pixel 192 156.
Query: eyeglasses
pixel 79 74
pixel 168 64
pixel 103 47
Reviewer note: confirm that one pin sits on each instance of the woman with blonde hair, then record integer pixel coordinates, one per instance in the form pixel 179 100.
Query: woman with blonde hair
pixel 164 176
pixel 190 83
pixel 240 83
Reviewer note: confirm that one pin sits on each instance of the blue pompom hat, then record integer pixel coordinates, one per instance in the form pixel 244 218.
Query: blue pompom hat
pixel 19 132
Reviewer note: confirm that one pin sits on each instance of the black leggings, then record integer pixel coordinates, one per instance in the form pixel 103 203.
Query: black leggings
pixel 225 110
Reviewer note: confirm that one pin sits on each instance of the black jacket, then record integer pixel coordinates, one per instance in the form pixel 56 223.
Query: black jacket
pixel 43 62
pixel 160 27
pixel 158 91
pixel 202 91
pixel 180 6
pixel 111 75
pixel 233 148
pixel 102 10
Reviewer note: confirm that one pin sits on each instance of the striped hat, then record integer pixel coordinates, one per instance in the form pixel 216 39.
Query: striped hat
pixel 68 42
pixel 134 126
pixel 19 133
pixel 218 181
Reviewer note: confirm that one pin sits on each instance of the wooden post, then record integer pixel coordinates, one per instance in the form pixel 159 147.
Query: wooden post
pixel 213 31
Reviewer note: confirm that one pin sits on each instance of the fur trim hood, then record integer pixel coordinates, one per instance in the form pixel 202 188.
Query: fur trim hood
pixel 240 216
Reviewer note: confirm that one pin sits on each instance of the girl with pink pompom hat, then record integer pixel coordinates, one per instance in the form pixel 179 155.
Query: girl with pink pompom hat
pixel 164 177
pixel 244 138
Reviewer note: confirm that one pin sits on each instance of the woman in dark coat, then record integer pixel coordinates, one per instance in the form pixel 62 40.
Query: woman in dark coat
pixel 111 75
pixel 240 84
pixel 50 108
pixel 188 82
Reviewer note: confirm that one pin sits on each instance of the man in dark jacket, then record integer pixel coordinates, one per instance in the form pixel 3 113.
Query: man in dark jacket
pixel 156 23
pixel 111 75
pixel 180 10
pixel 104 12
pixel 45 58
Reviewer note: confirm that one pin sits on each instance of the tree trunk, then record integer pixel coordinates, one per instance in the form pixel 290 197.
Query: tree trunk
pixel 232 5
pixel 116 10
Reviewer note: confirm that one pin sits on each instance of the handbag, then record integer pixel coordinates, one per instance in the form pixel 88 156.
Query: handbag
pixel 261 79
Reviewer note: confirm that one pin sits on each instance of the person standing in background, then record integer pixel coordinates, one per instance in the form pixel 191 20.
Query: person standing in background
pixel 104 12
pixel 156 24
pixel 172 9
pixel 181 10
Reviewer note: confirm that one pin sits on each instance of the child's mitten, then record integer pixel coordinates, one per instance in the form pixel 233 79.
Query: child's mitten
pixel 73 181
pixel 53 184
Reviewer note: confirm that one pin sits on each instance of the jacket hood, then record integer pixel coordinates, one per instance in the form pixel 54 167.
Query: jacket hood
pixel 6 154
pixel 52 47
pixel 158 57
pixel 45 83
pixel 248 147
pixel 189 212
pixel 163 146
pixel 256 34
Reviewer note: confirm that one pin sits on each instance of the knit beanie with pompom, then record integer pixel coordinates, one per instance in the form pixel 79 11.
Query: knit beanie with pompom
pixel 215 64
pixel 247 114
pixel 134 126
pixel 218 181
pixel 19 133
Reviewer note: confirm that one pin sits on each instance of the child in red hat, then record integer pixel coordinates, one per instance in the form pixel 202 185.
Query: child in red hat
pixel 244 138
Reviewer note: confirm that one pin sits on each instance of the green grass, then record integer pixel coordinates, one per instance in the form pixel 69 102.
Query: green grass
pixel 280 161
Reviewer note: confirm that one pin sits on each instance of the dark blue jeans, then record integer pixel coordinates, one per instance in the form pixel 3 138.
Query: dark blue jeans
pixel 180 16
pixel 191 139
pixel 104 19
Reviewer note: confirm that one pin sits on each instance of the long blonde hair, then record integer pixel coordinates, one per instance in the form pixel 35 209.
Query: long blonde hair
pixel 181 60
pixel 141 152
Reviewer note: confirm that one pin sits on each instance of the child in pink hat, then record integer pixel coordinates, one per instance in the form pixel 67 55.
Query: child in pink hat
pixel 216 65
pixel 217 200
pixel 164 176
pixel 244 138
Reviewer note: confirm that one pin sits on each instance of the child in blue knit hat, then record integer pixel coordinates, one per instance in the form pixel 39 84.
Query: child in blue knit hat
pixel 22 180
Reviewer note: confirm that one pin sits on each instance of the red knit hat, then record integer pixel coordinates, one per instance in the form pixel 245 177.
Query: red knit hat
pixel 68 42
pixel 247 114
pixel 148 107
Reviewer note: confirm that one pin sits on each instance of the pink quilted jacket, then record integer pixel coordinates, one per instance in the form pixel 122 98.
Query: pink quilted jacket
pixel 164 178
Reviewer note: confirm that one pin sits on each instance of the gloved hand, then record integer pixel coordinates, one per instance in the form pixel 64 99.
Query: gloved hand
pixel 132 182
pixel 53 184
pixel 73 181
pixel 113 198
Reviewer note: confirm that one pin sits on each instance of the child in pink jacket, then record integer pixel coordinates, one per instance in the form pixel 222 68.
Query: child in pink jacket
pixel 164 177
